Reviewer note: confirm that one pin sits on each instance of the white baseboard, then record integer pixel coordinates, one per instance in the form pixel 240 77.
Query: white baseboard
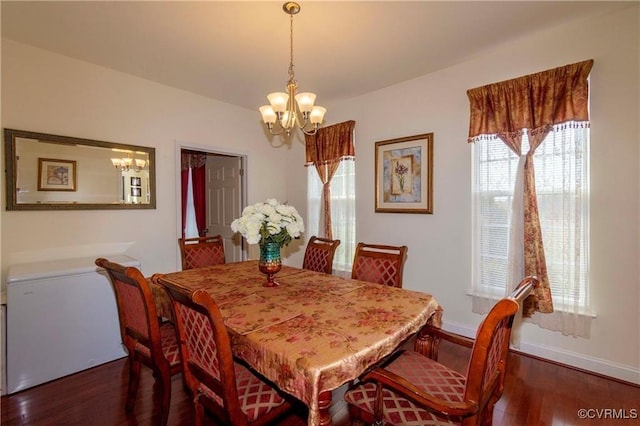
pixel 596 365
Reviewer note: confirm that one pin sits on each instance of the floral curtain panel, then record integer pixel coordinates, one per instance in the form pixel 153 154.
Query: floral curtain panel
pixel 533 104
pixel 325 150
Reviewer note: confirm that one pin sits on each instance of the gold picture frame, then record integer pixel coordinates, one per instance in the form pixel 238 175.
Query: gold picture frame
pixel 404 175
pixel 56 175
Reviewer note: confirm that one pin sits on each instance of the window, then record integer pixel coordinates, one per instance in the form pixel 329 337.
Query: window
pixel 561 176
pixel 343 211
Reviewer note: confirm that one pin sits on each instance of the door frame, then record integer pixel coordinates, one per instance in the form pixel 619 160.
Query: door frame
pixel 244 157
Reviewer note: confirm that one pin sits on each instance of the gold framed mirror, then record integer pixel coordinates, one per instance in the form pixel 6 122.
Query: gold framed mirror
pixel 52 172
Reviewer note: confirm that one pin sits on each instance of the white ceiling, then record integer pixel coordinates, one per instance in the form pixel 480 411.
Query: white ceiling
pixel 237 52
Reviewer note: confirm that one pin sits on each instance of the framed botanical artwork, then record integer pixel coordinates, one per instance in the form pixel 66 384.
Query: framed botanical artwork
pixel 135 181
pixel 136 191
pixel 404 175
pixel 56 175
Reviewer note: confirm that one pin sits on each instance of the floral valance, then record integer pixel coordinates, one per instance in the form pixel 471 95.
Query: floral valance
pixel 537 101
pixel 331 144
pixel 192 159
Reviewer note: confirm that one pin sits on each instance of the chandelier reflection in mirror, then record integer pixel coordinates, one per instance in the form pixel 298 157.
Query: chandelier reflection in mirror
pixel 292 109
pixel 129 163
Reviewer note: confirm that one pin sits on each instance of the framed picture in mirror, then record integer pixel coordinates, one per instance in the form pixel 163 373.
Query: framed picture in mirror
pixel 56 175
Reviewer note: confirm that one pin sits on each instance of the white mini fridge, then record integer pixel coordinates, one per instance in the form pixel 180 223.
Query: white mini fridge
pixel 61 318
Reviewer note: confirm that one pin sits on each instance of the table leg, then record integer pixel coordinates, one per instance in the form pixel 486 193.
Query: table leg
pixel 426 344
pixel 324 403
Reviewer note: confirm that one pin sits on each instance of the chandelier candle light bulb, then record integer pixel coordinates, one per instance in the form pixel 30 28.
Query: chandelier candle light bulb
pixel 126 164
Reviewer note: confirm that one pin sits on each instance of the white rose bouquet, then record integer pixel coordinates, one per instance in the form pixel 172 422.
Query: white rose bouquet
pixel 269 221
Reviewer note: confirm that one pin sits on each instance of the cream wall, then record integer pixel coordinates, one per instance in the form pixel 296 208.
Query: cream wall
pixel 439 256
pixel 49 93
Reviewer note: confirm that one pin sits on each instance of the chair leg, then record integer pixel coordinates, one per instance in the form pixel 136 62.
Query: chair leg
pixel 199 412
pixel 165 386
pixel 487 415
pixel 134 381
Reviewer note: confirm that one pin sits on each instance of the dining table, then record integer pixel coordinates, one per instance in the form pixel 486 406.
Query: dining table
pixel 311 333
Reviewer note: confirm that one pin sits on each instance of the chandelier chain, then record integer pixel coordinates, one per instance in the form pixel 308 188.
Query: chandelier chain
pixel 292 76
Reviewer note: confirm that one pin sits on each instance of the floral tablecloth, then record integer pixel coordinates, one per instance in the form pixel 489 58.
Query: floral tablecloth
pixel 314 332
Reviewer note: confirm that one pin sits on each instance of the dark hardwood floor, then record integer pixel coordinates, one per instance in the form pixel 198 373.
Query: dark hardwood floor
pixel 536 393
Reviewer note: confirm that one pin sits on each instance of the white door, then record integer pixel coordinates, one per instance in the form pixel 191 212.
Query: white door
pixel 224 201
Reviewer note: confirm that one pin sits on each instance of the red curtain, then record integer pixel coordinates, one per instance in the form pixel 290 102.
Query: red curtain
pixel 196 161
pixel 184 183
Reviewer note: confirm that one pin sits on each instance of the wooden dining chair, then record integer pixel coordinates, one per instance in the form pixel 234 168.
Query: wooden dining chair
pixel 414 389
pixel 199 252
pixel 148 341
pixel 318 256
pixel 380 264
pixel 227 389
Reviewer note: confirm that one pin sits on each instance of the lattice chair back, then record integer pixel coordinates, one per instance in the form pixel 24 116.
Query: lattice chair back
pixel 134 311
pixel 319 254
pixel 381 264
pixel 201 251
pixel 134 308
pixel 227 389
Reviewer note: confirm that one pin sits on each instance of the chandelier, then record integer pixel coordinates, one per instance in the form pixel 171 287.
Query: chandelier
pixel 289 109
pixel 126 164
